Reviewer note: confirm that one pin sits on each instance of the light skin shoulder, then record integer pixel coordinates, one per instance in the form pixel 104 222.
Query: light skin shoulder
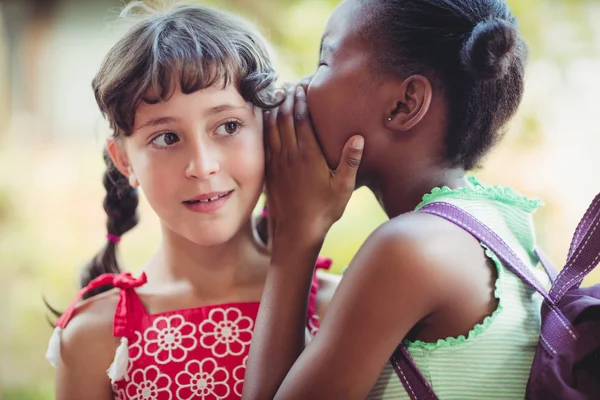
pixel 87 350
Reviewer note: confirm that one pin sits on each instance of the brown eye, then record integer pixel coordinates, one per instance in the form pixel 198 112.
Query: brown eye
pixel 229 128
pixel 165 140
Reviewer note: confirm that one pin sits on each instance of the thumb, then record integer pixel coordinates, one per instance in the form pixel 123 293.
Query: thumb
pixel 345 175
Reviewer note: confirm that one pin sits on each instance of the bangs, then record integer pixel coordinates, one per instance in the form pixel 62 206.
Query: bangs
pixel 191 48
pixel 184 62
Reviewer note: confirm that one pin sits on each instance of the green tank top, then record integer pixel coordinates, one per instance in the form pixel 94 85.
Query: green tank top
pixel 493 360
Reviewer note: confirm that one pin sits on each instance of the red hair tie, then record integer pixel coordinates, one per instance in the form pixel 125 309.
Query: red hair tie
pixel 113 238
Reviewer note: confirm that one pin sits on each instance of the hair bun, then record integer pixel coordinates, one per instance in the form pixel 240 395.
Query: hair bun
pixel 488 52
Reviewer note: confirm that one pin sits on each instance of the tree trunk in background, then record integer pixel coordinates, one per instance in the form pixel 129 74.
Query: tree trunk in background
pixel 25 26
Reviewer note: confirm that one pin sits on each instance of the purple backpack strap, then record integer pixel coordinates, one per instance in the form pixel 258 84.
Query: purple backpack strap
pixel 557 331
pixel 413 381
pixel 584 253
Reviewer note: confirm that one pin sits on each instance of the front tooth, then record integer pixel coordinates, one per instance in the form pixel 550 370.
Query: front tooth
pixel 209 200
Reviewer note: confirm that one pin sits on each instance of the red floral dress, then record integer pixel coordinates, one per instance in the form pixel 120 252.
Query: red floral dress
pixel 196 353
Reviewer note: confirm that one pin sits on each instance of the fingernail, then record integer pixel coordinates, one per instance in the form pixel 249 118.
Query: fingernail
pixel 358 143
pixel 299 91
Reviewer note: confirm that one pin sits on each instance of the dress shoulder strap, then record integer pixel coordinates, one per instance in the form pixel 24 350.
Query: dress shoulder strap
pixel 122 325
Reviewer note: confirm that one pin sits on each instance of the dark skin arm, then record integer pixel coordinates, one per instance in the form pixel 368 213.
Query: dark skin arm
pixel 291 146
pixel 389 287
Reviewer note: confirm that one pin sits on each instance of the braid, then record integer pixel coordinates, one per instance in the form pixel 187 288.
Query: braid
pixel 120 204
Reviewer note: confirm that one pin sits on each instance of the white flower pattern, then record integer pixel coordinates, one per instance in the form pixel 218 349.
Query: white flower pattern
pixel 238 375
pixel 119 394
pixel 202 358
pixel 202 380
pixel 226 332
pixel 169 339
pixel 149 384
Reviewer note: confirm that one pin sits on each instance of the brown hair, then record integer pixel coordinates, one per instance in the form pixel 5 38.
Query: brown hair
pixel 192 47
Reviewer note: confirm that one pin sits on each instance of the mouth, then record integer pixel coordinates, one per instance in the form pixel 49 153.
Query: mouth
pixel 208 198
pixel 209 202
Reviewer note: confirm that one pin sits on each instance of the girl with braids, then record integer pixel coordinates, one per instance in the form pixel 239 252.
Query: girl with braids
pixel 424 309
pixel 183 91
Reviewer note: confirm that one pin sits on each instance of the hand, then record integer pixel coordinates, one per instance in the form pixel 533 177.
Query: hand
pixel 305 82
pixel 304 196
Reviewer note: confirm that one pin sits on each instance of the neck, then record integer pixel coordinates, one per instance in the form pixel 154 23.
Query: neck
pixel 208 269
pixel 399 192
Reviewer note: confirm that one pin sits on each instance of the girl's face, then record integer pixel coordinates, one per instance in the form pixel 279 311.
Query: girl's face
pixel 342 95
pixel 199 160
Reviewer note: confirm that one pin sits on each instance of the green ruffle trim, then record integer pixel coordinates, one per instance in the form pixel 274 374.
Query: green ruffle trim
pixel 478 190
pixel 477 329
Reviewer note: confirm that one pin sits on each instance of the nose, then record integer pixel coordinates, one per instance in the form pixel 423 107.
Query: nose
pixel 203 161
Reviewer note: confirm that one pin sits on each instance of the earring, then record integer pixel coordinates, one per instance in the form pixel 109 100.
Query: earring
pixel 389 118
pixel 133 181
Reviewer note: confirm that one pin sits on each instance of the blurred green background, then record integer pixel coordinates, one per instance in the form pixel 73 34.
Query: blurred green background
pixel 51 134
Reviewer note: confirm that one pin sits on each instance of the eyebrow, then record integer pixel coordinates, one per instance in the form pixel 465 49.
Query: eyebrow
pixel 158 121
pixel 221 108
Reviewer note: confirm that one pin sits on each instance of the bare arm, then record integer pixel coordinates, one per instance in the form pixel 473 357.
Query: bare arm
pixel 294 161
pixel 389 287
pixel 87 349
pixel 279 326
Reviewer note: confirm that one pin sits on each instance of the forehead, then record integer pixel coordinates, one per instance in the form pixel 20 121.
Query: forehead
pixel 343 27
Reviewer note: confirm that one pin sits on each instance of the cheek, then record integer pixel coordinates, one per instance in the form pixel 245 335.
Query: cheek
pixel 246 160
pixel 326 104
pixel 156 176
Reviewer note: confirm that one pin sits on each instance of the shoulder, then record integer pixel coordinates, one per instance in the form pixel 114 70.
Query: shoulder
pixel 87 348
pixel 414 249
pixel 91 323
pixel 407 240
pixel 417 237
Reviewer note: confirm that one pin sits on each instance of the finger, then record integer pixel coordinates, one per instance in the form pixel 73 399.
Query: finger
pixel 304 130
pixel 285 122
pixel 305 82
pixel 271 132
pixel 345 175
pixel 289 87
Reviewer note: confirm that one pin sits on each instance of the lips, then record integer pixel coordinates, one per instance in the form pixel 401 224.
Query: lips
pixel 209 202
pixel 209 197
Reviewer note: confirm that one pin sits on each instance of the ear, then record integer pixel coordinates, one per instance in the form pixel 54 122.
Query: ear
pixel 409 104
pixel 119 157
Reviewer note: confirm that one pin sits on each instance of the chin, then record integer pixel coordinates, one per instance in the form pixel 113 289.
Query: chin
pixel 211 234
pixel 212 237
